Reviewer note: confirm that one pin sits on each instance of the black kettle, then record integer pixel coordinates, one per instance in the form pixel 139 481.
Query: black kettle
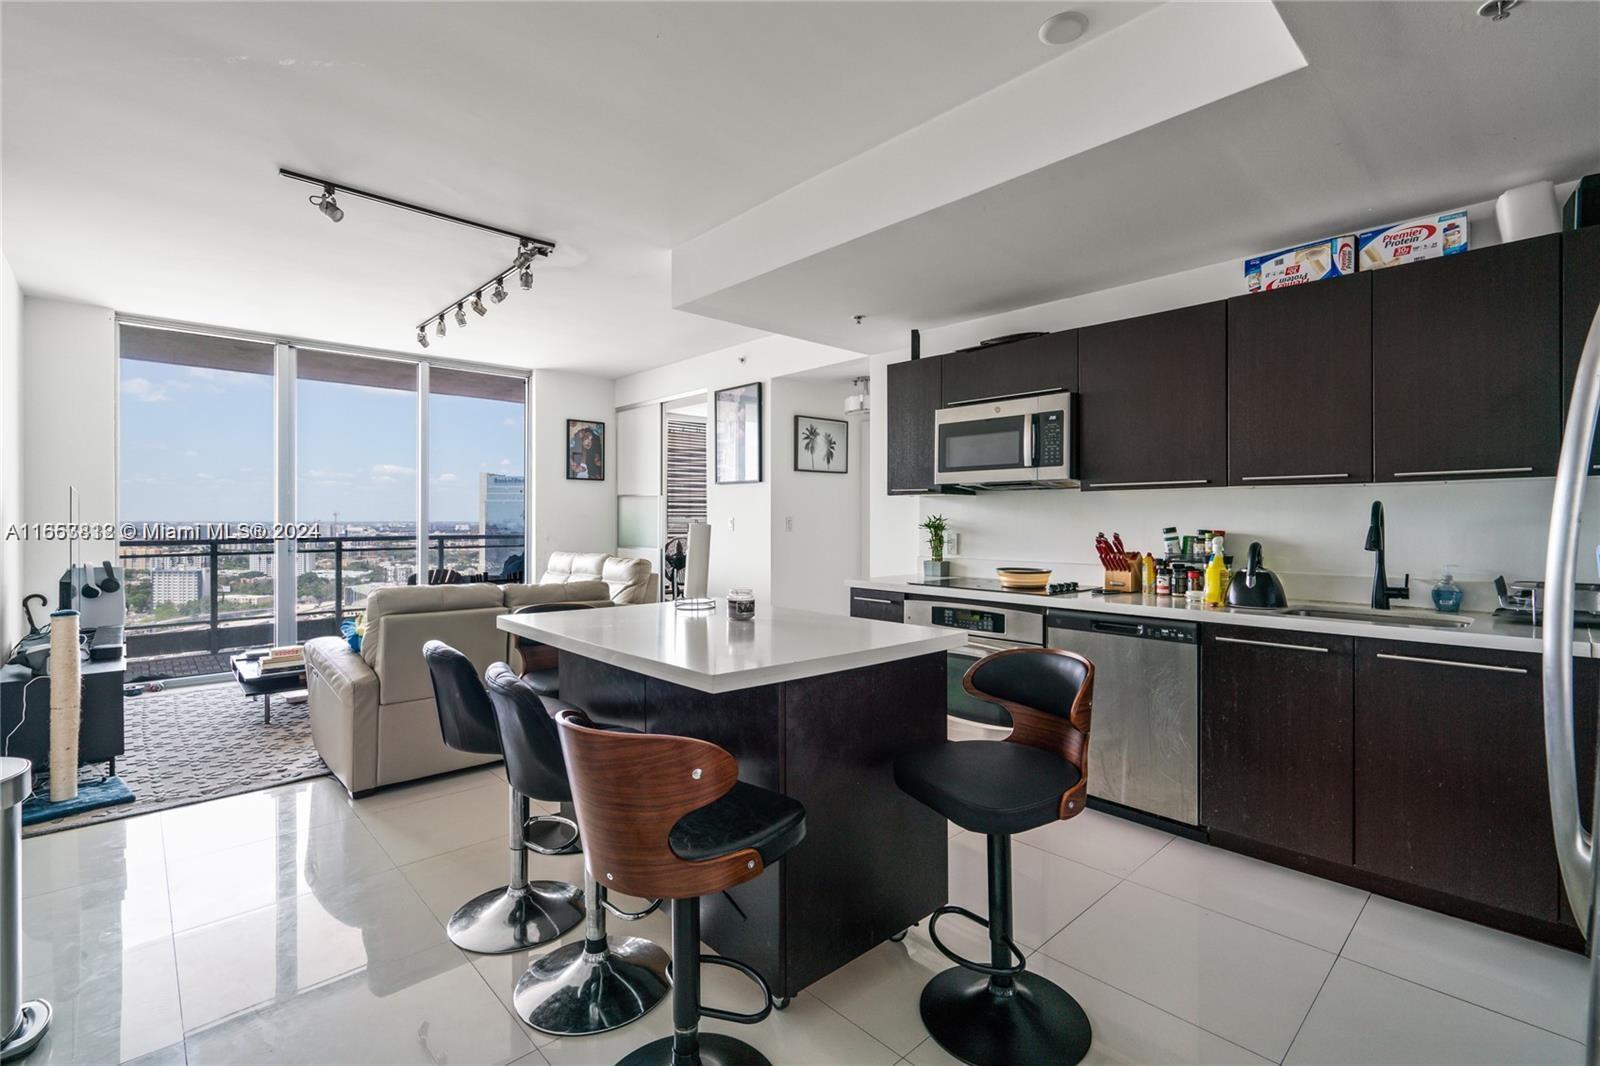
pixel 1255 586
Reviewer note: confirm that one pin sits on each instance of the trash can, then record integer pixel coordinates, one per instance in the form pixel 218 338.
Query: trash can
pixel 23 1023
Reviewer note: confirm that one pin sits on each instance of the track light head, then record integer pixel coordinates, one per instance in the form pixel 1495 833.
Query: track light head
pixel 499 293
pixel 461 316
pixel 440 330
pixel 327 204
pixel 477 304
pixel 525 278
pixel 422 336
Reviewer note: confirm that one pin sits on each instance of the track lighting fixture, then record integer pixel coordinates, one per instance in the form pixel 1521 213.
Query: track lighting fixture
pixel 440 330
pixel 525 278
pixel 327 204
pixel 477 304
pixel 461 316
pixel 422 336
pixel 499 293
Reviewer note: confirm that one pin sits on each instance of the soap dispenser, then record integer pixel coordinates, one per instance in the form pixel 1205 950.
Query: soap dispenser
pixel 1447 594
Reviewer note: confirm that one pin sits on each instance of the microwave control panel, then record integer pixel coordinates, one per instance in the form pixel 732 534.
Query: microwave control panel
pixel 1052 438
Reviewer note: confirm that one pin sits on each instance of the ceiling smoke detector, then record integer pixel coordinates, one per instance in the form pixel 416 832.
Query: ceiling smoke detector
pixel 1497 10
pixel 1068 26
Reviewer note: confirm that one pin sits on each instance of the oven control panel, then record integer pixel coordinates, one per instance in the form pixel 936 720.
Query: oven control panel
pixel 969 618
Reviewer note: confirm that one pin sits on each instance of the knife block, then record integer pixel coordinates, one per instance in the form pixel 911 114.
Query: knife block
pixel 1124 580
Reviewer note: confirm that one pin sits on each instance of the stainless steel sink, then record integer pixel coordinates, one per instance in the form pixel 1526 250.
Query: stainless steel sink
pixel 1397 617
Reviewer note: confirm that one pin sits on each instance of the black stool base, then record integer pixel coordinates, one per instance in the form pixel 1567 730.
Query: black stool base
pixel 1038 1022
pixel 715 1050
pixel 575 992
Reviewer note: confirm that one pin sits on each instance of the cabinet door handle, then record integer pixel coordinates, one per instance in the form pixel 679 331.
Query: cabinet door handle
pixel 1145 484
pixel 1453 662
pixel 873 599
pixel 1290 477
pixel 1272 644
pixel 1453 473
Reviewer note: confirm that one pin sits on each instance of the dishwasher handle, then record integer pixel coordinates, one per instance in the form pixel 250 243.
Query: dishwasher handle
pixel 1131 629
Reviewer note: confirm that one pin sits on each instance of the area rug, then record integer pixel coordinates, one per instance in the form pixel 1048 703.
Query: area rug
pixel 186 745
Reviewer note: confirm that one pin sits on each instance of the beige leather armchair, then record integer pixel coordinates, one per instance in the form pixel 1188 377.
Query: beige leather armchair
pixel 373 717
pixel 630 580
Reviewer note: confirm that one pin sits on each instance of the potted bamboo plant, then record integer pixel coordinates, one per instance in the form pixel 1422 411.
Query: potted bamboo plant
pixel 935 565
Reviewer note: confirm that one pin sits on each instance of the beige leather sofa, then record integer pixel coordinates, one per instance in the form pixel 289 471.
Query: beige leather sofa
pixel 372 714
pixel 630 580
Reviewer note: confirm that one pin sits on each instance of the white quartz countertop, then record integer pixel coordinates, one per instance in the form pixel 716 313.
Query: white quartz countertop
pixel 1486 630
pixel 707 650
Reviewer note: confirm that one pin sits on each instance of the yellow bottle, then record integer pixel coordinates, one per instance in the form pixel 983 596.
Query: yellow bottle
pixel 1147 573
pixel 1216 580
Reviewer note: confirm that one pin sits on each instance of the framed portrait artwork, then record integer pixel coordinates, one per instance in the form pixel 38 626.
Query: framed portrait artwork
pixel 821 445
pixel 586 450
pixel 737 416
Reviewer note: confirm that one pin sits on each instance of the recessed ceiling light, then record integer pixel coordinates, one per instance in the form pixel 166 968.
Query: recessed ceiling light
pixel 1064 28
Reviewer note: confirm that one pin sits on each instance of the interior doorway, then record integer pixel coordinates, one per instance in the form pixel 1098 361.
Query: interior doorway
pixel 685 431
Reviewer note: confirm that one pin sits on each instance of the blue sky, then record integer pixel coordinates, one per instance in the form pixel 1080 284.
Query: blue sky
pixel 197 446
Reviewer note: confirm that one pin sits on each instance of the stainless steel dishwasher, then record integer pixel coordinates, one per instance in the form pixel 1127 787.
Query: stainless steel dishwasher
pixel 1144 743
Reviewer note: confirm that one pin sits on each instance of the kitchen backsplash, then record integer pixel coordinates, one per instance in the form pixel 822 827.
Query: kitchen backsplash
pixel 1312 536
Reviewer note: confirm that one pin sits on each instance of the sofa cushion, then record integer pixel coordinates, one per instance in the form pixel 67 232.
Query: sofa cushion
pixel 595 591
pixel 420 599
pixel 628 579
pixel 402 672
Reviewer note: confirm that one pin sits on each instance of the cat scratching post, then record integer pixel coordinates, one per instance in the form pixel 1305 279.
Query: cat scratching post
pixel 66 705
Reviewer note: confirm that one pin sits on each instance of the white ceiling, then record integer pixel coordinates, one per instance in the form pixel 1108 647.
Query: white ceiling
pixel 141 143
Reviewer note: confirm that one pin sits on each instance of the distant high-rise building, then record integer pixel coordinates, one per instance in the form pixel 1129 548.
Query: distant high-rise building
pixel 502 514
pixel 172 585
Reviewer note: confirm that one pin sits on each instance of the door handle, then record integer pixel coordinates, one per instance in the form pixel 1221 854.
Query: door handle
pixel 1290 477
pixel 1272 644
pixel 1452 662
pixel 1454 473
pixel 1145 484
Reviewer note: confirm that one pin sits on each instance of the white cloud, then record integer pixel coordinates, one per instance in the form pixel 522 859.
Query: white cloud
pixel 509 422
pixel 141 389
pixel 505 462
pixel 391 471
pixel 445 479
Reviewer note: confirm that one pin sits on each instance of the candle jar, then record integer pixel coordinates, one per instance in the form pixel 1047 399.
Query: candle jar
pixel 741 604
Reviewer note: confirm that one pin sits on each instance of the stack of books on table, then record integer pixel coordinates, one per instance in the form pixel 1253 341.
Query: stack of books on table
pixel 288 660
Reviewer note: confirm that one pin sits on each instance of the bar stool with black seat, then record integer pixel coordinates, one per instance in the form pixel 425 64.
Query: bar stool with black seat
pixel 520 914
pixel 601 982
pixel 994 1013
pixel 538 662
pixel 668 817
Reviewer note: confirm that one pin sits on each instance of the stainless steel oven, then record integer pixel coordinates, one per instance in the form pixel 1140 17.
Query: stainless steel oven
pixel 989 629
pixel 1006 444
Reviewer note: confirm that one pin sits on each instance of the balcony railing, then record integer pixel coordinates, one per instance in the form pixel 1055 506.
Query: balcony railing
pixel 196 637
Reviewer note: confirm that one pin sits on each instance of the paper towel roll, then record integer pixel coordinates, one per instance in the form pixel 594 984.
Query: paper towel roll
pixel 66 705
pixel 697 567
pixel 1527 211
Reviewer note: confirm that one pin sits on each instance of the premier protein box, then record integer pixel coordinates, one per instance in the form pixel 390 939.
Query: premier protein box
pixel 1331 257
pixel 1428 237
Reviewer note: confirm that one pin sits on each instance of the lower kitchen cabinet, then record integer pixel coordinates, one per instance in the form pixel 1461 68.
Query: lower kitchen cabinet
pixel 1450 786
pixel 1275 739
pixel 880 606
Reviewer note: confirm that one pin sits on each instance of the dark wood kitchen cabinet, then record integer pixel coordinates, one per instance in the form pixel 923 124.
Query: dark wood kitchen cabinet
pixel 1450 787
pixel 1466 363
pixel 1153 400
pixel 1276 739
pixel 1580 297
pixel 1038 364
pixel 913 397
pixel 877 605
pixel 1300 384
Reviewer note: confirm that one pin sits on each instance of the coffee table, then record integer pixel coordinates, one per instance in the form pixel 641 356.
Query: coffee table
pixel 247 672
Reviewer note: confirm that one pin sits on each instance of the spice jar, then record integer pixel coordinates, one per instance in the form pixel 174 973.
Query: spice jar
pixel 1163 581
pixel 741 604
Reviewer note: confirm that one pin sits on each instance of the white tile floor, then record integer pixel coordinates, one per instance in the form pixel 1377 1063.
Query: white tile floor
pixel 296 926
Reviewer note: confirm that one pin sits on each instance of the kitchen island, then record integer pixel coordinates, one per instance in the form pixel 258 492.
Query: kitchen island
pixel 816 706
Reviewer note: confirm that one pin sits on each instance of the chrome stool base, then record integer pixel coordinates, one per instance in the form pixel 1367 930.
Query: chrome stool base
pixel 32 1020
pixel 715 1050
pixel 574 991
pixel 1036 1022
pixel 504 919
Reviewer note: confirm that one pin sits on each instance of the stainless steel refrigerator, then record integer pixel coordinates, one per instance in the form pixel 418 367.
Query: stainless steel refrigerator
pixel 1574 847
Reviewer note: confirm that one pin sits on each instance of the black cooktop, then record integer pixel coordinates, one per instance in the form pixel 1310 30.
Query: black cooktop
pixel 991 584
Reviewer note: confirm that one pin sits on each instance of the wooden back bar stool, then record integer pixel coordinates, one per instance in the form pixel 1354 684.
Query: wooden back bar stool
pixel 521 914
pixel 601 982
pixel 668 817
pixel 996 1013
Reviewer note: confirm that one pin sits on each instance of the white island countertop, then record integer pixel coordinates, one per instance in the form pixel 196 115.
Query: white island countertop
pixel 707 650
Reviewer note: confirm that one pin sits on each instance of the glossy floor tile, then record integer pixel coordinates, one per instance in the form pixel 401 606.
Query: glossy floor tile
pixel 295 925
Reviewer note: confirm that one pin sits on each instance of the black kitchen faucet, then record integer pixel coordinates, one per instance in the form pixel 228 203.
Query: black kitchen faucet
pixel 1382 591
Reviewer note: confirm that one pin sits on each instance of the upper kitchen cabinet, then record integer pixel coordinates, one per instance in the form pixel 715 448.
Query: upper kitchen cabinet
pixel 1580 296
pixel 913 396
pixel 1046 363
pixel 1153 398
pixel 1300 384
pixel 1466 364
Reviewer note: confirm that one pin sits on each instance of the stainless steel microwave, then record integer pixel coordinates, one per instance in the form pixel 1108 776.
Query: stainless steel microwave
pixel 1022 443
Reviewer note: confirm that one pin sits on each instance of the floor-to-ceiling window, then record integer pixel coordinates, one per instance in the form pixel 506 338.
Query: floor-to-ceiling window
pixel 477 487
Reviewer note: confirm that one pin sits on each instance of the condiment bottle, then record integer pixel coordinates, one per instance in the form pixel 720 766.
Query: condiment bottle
pixel 1147 570
pixel 1164 581
pixel 1216 577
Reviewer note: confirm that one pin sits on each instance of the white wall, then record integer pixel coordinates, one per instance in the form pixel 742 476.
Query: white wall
pixel 816 517
pixel 576 516
pixel 11 622
pixel 69 420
